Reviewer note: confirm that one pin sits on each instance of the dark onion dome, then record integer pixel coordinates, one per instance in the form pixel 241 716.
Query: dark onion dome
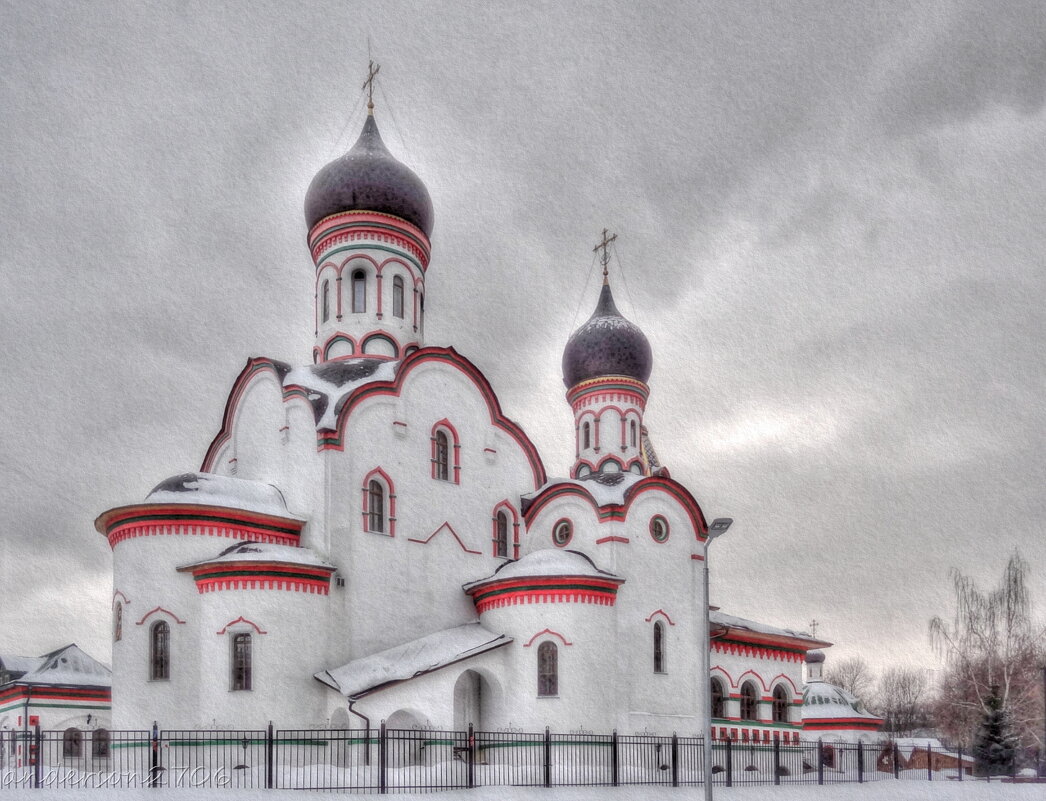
pixel 369 178
pixel 814 657
pixel 607 344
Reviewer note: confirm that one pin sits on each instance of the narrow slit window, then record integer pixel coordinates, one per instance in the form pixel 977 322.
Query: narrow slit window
pixel 397 296
pixel 359 292
pixel 501 535
pixel 659 647
pixel 586 436
pixel 442 456
pixel 241 662
pixel 160 651
pixel 548 669
pixel 326 301
pixel 375 507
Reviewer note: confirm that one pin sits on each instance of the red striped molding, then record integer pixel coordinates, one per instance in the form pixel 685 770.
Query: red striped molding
pixel 38 692
pixel 158 519
pixel 355 226
pixel 261 576
pixel 545 589
pixel 828 724
pixel 757 652
pixel 616 387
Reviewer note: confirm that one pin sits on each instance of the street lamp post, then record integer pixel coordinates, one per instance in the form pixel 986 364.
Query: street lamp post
pixel 718 527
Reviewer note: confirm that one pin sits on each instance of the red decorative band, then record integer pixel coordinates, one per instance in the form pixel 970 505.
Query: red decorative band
pixel 756 652
pixel 310 586
pixel 554 589
pixel 150 520
pixel 617 388
pixel 262 576
pixel 371 226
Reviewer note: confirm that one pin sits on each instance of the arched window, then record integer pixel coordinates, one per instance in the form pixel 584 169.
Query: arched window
pixel 442 456
pixel 501 535
pixel 718 699
pixel 326 301
pixel 586 436
pixel 160 651
pixel 659 647
pixel 748 701
pixel 241 662
pixel 117 621
pixel 359 291
pixel 397 296
pixel 632 428
pixel 100 743
pixel 375 507
pixel 548 669
pixel 780 704
pixel 72 742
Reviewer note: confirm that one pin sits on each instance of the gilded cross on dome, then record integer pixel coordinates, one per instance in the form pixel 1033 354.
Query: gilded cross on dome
pixel 372 72
pixel 604 257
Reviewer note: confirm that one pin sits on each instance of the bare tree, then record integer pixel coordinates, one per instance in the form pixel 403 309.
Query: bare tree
pixel 852 674
pixel 901 700
pixel 991 642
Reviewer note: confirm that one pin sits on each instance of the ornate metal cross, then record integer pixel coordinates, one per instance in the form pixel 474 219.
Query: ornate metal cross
pixel 604 257
pixel 372 72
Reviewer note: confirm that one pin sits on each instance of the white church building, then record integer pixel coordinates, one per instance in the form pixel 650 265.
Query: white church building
pixel 369 537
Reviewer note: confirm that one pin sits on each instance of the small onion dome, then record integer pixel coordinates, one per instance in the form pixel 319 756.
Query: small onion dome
pixel 368 178
pixel 814 657
pixel 606 345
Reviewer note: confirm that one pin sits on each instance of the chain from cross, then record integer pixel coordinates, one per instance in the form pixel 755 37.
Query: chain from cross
pixel 604 257
pixel 372 72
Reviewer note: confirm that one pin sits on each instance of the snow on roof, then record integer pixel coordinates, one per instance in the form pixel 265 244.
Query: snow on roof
pixel 328 384
pixel 546 562
pixel 264 552
pixel 17 665
pixel 412 659
pixel 214 490
pixel 605 488
pixel 907 745
pixel 723 619
pixel 824 701
pixel 69 666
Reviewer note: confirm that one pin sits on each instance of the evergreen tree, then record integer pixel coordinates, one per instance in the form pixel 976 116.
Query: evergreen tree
pixel 994 748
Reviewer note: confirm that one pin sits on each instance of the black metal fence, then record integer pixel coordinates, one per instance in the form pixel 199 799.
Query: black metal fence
pixel 391 760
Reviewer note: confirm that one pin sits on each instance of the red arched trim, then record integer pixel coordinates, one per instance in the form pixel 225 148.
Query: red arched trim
pixel 357 256
pixel 716 670
pixel 118 593
pixel 609 459
pixel 619 512
pixel 390 494
pixel 254 368
pixel 454 449
pixel 445 527
pixel 336 338
pixel 414 276
pixel 785 678
pixel 159 610
pixel 513 517
pixel 550 632
pixel 335 440
pixel 663 614
pixel 241 619
pixel 362 227
pixel 370 337
pixel 741 679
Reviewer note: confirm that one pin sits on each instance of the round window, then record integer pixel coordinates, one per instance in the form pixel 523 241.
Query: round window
pixel 562 532
pixel 659 528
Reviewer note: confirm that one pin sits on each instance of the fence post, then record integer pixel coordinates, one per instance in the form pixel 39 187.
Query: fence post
pixel 613 758
pixel 270 746
pixel 675 760
pixel 154 757
pixel 896 761
pixel 548 758
pixel 38 761
pixel 929 762
pixel 960 763
pixel 860 762
pixel 777 760
pixel 820 762
pixel 471 758
pixel 382 758
pixel 729 763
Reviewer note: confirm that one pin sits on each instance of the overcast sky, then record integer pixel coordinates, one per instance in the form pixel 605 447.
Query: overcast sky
pixel 830 226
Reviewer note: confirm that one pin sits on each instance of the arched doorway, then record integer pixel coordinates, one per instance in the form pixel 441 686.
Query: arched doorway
pixel 468 700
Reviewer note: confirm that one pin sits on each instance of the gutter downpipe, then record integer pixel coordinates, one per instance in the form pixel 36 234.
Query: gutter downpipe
pixel 366 721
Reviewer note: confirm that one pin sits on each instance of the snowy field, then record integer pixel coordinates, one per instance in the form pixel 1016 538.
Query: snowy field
pixel 878 791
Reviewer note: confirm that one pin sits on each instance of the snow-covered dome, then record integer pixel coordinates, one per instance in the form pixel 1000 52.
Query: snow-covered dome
pixel 369 178
pixel 208 489
pixel 264 552
pixel 825 702
pixel 548 562
pixel 606 345
pixel 814 657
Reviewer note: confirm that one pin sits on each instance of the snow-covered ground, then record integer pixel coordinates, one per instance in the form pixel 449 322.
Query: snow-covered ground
pixel 878 791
